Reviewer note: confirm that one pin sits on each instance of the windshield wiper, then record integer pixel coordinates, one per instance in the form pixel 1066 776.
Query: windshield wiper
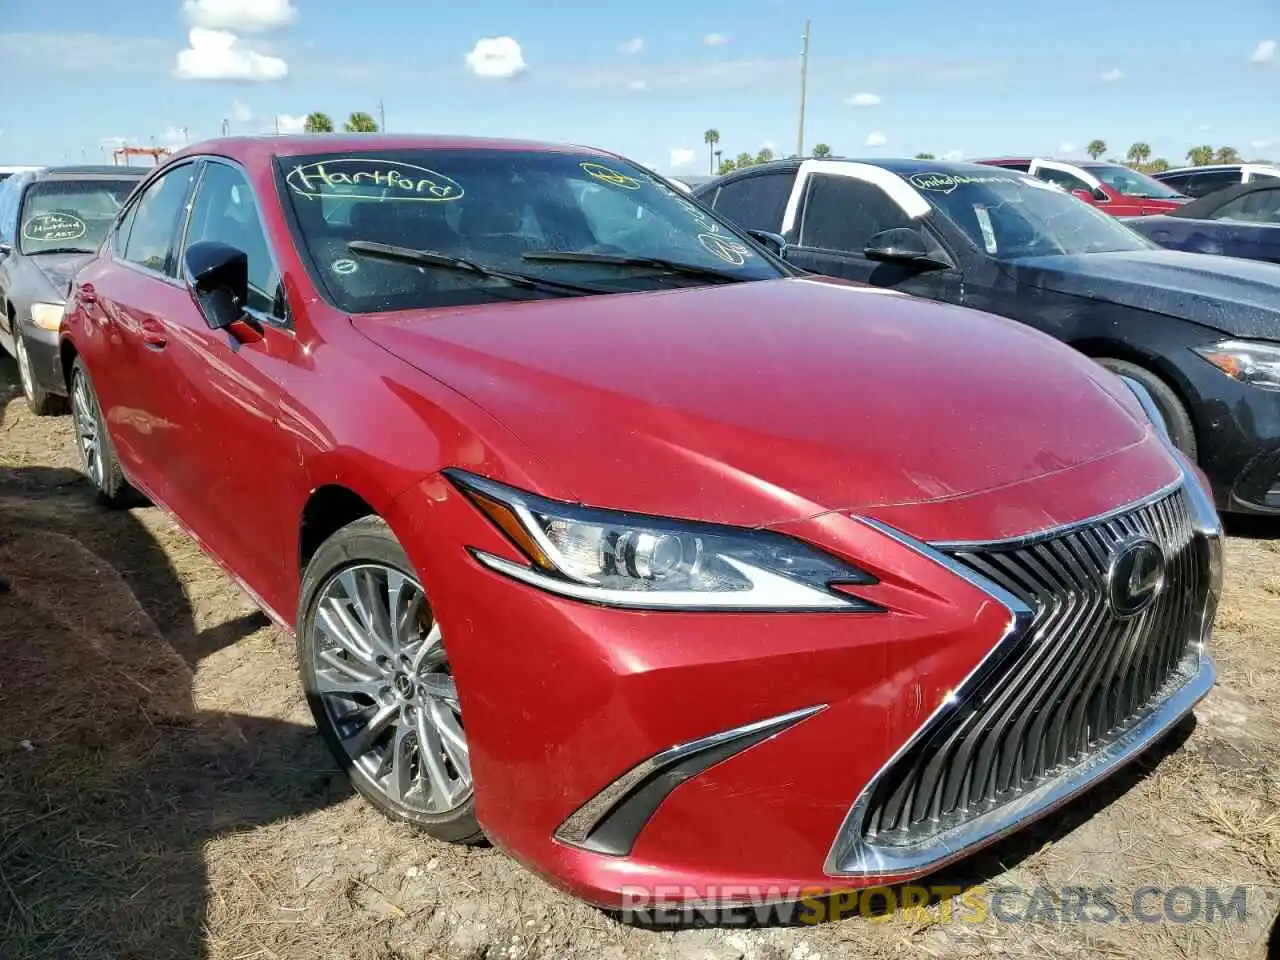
pixel 34 253
pixel 622 260
pixel 429 258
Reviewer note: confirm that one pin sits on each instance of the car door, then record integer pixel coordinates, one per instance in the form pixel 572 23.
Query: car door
pixel 10 194
pixel 128 294
pixel 1249 225
pixel 839 214
pixel 220 391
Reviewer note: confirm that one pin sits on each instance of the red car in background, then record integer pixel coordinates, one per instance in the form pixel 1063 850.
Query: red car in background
pixel 607 535
pixel 1112 187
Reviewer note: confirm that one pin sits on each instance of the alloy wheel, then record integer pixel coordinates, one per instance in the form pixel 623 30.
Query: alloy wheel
pixel 88 426
pixel 384 681
pixel 24 369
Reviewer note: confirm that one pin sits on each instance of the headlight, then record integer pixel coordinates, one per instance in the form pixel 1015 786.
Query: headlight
pixel 627 560
pixel 46 316
pixel 1257 364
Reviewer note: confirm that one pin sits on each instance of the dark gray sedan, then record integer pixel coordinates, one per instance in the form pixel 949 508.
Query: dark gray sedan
pixel 51 221
pixel 1241 221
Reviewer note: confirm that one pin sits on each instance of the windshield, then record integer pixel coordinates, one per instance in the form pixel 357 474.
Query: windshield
pixel 69 215
pixel 1131 183
pixel 1011 216
pixel 503 210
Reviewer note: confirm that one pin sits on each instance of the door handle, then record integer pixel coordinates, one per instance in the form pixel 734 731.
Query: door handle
pixel 153 334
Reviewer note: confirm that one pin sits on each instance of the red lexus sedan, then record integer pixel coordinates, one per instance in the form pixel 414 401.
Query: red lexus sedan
pixel 608 536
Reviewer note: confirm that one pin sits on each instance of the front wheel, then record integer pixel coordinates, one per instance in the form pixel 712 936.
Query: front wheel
pixel 41 401
pixel 1177 422
pixel 97 454
pixel 378 681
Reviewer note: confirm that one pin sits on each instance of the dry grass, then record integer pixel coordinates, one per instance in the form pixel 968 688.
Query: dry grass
pixel 162 792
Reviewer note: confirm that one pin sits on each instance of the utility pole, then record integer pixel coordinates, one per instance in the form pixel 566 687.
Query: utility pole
pixel 277 124
pixel 226 127
pixel 804 81
pixel 382 117
pixel 184 135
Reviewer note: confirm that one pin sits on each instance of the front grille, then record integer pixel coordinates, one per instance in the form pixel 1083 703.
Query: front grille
pixel 1071 681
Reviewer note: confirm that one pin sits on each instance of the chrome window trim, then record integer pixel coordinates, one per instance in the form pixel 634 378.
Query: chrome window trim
pixel 851 855
pixel 577 827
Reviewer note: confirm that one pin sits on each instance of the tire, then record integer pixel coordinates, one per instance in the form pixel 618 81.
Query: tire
pixel 41 402
pixel 1176 419
pixel 379 685
pixel 93 443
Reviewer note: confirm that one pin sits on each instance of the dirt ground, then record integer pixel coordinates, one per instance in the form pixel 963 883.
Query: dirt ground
pixel 163 793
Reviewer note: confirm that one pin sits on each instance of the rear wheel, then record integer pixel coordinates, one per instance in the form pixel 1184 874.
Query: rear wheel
pixel 1174 413
pixel 378 680
pixel 41 401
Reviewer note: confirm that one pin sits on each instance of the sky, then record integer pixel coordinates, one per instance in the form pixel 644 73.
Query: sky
pixel 960 80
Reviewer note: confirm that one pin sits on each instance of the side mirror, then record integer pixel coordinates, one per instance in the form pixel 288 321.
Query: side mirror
pixel 1085 195
pixel 773 242
pixel 901 245
pixel 218 274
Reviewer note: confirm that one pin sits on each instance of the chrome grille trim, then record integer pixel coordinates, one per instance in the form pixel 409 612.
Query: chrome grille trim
pixel 859 850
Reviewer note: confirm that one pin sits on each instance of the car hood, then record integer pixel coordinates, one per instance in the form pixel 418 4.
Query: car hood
pixel 755 403
pixel 56 270
pixel 1238 297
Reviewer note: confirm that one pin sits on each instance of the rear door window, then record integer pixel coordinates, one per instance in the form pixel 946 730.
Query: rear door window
pixel 155 221
pixel 756 202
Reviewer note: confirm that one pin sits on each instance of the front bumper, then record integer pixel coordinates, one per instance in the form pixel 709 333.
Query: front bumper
pixel 563 700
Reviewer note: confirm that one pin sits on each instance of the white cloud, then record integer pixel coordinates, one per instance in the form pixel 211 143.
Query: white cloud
pixel 863 100
pixel 113 143
pixel 639 86
pixel 633 46
pixel 1066 147
pixel 1112 75
pixel 1261 144
pixel 876 139
pixel 240 113
pixel 1206 126
pixel 240 16
pixel 953 156
pixel 219 55
pixel 173 138
pixel 682 156
pixel 290 124
pixel 715 40
pixel 1265 53
pixel 498 57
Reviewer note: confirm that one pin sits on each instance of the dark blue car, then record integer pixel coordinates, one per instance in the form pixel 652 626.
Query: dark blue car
pixel 1241 221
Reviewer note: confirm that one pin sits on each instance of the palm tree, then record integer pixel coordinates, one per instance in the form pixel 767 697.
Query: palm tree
pixel 725 167
pixel 1138 154
pixel 764 156
pixel 744 160
pixel 360 122
pixel 1158 165
pixel 318 123
pixel 1200 156
pixel 821 150
pixel 711 138
pixel 925 156
pixel 1096 148
pixel 1227 155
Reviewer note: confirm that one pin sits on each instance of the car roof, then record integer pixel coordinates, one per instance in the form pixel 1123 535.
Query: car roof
pixel 270 146
pixel 1210 167
pixel 95 170
pixel 903 167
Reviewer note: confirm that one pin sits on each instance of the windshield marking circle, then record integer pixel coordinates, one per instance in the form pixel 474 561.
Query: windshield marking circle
pixel 727 249
pixel 344 267
pixel 354 176
pixel 48 227
pixel 604 174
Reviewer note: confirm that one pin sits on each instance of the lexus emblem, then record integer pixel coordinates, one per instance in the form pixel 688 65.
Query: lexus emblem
pixel 1135 576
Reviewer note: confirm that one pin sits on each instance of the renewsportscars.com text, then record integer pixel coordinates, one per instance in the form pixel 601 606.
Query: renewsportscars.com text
pixel 744 905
